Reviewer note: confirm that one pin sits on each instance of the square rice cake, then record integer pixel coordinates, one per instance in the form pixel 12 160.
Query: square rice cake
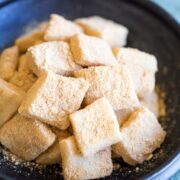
pixel 60 28
pixel 53 97
pixel 10 100
pixel 115 34
pixel 75 166
pixel 112 82
pixel 53 155
pixel 26 138
pixel 142 67
pixel 8 62
pixel 51 56
pixel 95 127
pixel 141 135
pixel 91 51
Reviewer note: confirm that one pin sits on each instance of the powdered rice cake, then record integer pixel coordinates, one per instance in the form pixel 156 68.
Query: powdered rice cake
pixel 26 138
pixel 95 127
pixel 75 166
pixel 141 135
pixel 53 97
pixel 112 82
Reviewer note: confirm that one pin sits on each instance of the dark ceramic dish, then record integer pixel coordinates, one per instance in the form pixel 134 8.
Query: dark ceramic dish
pixel 151 30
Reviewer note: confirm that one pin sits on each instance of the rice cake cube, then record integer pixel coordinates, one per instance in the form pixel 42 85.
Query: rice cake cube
pixel 115 34
pixel 26 138
pixel 142 67
pixel 75 166
pixel 91 51
pixel 53 97
pixel 95 127
pixel 152 103
pixel 10 100
pixel 112 82
pixel 141 135
pixel 29 39
pixel 8 62
pixel 51 56
pixel 60 28
pixel 53 155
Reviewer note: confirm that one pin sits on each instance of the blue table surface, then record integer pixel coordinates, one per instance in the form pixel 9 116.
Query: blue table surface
pixel 173 8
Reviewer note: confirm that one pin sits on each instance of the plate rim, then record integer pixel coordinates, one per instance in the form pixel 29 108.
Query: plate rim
pixel 171 22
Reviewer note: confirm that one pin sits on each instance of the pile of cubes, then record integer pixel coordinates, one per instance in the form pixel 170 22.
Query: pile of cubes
pixel 71 94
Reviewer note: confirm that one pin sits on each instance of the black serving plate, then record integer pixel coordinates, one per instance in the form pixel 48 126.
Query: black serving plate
pixel 151 30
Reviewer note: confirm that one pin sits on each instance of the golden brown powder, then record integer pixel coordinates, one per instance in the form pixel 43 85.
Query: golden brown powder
pixel 161 98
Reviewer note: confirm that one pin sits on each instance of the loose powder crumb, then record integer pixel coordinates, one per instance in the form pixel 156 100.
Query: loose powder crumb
pixel 116 166
pixel 14 160
pixel 161 97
